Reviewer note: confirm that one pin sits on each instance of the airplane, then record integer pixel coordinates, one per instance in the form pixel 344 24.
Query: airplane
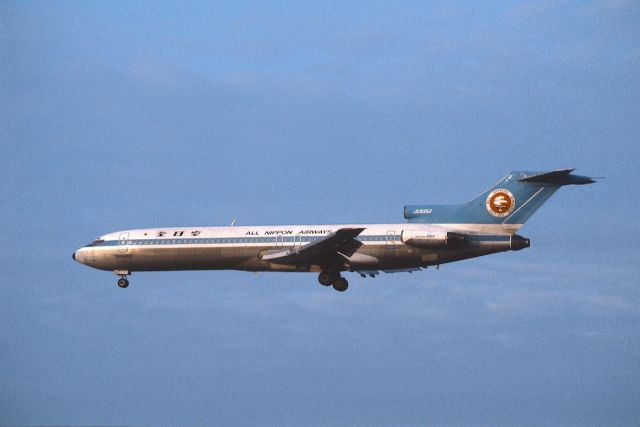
pixel 432 235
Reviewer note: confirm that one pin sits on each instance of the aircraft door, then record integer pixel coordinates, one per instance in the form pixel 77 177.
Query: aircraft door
pixel 279 240
pixel 123 247
pixel 391 239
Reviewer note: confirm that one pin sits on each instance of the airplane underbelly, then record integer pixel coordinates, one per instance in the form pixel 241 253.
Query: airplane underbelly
pixel 399 257
pixel 193 258
pixel 249 259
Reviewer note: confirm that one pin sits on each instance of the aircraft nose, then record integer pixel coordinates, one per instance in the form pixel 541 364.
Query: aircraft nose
pixel 78 256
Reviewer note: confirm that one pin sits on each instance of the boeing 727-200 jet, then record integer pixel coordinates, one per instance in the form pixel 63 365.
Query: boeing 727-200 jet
pixel 432 235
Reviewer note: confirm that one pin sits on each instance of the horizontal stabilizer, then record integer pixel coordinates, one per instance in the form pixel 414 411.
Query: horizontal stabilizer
pixel 558 177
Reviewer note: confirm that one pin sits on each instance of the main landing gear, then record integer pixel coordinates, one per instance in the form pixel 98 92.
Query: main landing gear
pixel 122 281
pixel 339 283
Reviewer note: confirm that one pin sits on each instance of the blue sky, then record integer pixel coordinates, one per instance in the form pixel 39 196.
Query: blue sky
pixel 119 115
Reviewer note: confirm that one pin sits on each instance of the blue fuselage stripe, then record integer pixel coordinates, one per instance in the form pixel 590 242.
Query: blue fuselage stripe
pixel 236 240
pixel 270 240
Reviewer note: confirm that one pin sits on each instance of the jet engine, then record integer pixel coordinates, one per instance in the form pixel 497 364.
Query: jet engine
pixel 432 239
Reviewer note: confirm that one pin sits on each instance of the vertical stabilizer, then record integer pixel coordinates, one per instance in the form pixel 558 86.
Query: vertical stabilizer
pixel 505 207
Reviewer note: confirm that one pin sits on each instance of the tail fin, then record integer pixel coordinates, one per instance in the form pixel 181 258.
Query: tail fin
pixel 504 208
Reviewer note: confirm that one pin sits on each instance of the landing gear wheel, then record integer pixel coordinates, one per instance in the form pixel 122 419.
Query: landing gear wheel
pixel 123 283
pixel 340 284
pixel 325 279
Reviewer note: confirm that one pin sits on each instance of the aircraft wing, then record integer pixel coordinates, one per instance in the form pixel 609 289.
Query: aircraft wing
pixel 340 242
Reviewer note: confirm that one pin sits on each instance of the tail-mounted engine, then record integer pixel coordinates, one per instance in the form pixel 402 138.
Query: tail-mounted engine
pixel 432 239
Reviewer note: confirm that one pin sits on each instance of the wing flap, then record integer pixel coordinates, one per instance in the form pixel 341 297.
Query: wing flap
pixel 349 247
pixel 374 273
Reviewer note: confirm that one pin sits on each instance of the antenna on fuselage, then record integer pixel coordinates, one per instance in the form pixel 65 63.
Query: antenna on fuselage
pixel 233 222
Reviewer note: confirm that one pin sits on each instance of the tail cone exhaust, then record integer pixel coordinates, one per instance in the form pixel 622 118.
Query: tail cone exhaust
pixel 519 242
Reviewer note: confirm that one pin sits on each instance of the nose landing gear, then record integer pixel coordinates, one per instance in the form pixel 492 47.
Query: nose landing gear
pixel 328 278
pixel 122 281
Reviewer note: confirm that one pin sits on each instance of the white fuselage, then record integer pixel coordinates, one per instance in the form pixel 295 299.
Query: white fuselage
pixel 384 247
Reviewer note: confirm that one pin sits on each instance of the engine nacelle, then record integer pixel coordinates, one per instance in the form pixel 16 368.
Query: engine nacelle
pixel 432 239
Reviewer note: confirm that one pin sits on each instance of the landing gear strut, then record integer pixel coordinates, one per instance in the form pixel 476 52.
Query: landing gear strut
pixel 339 283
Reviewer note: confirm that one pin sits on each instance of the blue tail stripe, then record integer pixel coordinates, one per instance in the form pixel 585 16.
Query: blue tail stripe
pixel 511 201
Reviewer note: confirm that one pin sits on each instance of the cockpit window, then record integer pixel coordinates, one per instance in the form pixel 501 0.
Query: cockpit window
pixel 96 242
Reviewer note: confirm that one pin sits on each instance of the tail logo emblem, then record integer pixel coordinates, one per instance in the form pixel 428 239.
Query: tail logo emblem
pixel 500 202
